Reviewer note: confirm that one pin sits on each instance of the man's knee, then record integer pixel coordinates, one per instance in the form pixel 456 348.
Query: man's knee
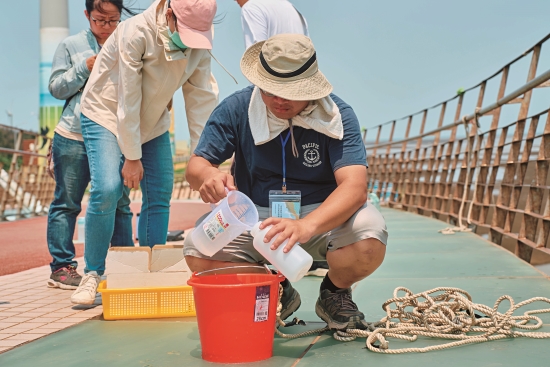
pixel 197 264
pixel 372 248
pixel 194 263
pixel 362 257
pixel 370 253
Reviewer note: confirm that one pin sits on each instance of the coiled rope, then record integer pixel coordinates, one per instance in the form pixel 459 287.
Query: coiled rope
pixel 443 312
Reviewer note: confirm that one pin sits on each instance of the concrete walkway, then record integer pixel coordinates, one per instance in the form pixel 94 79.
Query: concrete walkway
pixel 418 258
pixel 29 310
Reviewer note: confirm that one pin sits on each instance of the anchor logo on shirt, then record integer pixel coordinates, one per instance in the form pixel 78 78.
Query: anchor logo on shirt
pixel 312 157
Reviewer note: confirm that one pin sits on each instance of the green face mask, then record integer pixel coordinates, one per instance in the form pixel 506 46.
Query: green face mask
pixel 176 40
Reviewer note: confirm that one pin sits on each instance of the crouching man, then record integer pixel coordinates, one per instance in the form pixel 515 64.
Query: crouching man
pixel 293 139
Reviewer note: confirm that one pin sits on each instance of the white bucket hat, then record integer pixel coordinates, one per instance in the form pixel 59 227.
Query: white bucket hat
pixel 286 66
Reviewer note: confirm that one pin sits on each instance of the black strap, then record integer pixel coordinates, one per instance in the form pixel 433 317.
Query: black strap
pixel 301 70
pixel 68 100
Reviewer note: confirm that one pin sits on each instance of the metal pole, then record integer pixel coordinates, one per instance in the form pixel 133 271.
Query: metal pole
pixel 518 92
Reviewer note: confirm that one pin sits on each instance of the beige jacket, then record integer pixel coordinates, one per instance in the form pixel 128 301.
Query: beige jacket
pixel 135 76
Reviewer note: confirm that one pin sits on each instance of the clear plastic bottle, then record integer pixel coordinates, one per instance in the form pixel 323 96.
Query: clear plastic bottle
pixel 293 264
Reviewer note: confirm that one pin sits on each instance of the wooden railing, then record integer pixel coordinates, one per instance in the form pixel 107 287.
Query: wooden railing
pixel 26 189
pixel 487 169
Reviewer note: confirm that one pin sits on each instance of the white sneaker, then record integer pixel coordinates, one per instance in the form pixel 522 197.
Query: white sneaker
pixel 319 272
pixel 318 269
pixel 86 291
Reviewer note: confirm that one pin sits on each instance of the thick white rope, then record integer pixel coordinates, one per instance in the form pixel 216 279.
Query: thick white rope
pixel 295 321
pixel 445 313
pixel 469 148
pixel 477 167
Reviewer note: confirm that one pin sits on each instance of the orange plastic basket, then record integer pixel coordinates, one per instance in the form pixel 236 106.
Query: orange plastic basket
pixel 146 303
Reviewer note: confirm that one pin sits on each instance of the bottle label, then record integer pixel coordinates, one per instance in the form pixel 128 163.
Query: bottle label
pixel 261 310
pixel 215 226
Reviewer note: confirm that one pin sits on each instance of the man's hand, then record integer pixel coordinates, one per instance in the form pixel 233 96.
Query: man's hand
pixel 132 173
pixel 212 189
pixel 90 61
pixel 295 231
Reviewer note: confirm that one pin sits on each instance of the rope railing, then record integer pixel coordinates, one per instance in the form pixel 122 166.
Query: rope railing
pixel 491 177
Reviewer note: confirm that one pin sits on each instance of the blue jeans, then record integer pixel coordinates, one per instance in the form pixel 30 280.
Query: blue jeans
pixel 156 188
pixel 106 162
pixel 107 196
pixel 72 176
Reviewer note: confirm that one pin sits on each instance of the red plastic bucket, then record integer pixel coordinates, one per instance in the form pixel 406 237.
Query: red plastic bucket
pixel 236 315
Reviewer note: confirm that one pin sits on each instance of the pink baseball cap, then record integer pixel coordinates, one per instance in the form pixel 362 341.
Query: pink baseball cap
pixel 195 21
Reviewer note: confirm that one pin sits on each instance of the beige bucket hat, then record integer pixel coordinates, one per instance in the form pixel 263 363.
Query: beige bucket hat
pixel 286 66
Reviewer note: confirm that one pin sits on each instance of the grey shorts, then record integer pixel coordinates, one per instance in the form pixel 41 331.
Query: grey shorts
pixel 367 222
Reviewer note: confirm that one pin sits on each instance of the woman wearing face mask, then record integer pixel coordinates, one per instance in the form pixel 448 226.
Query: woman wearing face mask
pixel 73 61
pixel 125 114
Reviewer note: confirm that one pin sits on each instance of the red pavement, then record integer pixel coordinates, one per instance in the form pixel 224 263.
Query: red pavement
pixel 23 242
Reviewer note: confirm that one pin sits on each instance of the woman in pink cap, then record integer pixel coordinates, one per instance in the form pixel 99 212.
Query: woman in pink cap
pixel 125 120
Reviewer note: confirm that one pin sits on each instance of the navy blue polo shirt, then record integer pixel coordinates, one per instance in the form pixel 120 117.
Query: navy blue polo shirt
pixel 258 168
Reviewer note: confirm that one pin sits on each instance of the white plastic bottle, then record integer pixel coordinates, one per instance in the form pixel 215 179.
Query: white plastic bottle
pixel 293 264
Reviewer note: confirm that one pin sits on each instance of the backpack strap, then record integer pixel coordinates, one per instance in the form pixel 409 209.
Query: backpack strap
pixel 68 100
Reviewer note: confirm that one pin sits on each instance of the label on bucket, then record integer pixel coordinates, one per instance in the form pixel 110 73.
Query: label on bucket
pixel 262 303
pixel 215 226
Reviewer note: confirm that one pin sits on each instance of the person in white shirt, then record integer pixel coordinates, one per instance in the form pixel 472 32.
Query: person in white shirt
pixel 262 19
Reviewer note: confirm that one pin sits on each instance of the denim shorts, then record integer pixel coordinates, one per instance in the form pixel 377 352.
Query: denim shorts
pixel 367 222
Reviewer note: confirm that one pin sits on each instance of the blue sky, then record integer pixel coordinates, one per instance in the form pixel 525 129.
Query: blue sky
pixel 385 58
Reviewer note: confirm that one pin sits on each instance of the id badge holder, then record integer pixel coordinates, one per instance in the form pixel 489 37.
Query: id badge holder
pixel 285 205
